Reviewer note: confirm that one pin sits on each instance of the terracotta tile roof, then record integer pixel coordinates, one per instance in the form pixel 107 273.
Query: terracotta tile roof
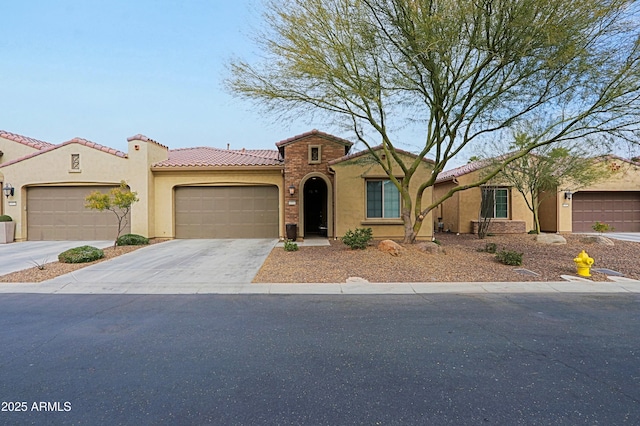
pixel 215 157
pixel 34 143
pixel 375 148
pixel 313 132
pixel 80 141
pixel 462 170
pixel 143 138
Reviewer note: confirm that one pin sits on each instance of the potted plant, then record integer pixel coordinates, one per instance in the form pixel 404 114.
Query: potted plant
pixel 7 229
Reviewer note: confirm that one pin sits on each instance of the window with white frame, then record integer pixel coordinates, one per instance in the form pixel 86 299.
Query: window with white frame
pixel 383 199
pixel 495 203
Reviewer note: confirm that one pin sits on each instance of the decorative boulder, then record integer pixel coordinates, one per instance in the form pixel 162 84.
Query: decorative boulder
pixel 551 239
pixel 430 247
pixel 597 239
pixel 390 247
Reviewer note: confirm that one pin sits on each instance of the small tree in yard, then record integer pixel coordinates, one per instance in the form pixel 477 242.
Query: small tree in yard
pixel 119 201
pixel 541 173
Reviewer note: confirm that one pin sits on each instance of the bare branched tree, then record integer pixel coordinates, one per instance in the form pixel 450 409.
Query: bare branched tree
pixel 461 72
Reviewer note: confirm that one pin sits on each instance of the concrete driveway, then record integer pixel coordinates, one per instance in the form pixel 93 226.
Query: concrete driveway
pixel 178 261
pixel 623 236
pixel 23 255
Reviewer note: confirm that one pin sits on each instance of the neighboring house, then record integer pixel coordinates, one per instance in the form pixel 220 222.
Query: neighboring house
pixel 461 212
pixel 309 185
pixel 615 201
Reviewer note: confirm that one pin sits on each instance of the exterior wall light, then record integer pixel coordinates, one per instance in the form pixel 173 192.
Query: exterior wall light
pixel 567 195
pixel 8 190
pixel 292 190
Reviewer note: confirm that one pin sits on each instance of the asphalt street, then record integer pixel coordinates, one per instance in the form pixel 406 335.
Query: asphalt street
pixel 277 359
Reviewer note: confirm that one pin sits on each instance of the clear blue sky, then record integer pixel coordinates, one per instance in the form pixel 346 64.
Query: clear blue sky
pixel 105 70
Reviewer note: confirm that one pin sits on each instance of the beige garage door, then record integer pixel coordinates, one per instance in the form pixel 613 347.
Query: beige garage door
pixel 58 213
pixel 618 209
pixel 226 212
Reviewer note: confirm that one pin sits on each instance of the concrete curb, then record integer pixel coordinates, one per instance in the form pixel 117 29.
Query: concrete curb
pixel 325 288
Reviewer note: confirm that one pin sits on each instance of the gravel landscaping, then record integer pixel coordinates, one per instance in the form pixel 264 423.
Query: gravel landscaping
pixel 461 261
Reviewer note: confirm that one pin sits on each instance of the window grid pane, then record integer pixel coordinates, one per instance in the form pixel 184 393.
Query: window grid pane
pixel 391 200
pixel 501 203
pixel 374 198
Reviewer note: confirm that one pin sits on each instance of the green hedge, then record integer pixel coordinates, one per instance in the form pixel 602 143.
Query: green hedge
pixel 81 254
pixel 132 240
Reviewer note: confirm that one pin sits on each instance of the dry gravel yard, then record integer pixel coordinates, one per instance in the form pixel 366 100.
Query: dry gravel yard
pixel 461 261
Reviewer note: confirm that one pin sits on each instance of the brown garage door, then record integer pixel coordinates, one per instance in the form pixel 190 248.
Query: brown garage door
pixel 226 212
pixel 618 209
pixel 58 213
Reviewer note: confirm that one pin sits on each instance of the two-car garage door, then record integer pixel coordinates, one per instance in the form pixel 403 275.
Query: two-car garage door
pixel 58 213
pixel 226 212
pixel 620 209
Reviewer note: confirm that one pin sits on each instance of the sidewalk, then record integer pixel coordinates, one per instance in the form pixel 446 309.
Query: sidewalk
pixel 324 288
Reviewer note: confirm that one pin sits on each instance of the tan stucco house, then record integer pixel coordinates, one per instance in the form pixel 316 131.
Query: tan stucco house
pixel 309 185
pixel 615 201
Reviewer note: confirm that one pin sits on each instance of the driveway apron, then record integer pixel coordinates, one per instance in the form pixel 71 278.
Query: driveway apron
pixel 179 261
pixel 26 254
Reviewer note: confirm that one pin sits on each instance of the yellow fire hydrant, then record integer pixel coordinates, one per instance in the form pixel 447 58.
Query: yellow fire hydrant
pixel 583 263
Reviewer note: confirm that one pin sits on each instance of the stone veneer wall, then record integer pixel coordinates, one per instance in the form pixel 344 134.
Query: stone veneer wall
pixel 296 167
pixel 503 226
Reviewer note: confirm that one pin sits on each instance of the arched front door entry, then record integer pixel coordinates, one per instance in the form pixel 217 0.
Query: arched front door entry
pixel 316 214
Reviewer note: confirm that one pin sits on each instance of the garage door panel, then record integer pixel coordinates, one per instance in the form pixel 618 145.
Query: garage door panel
pixel 618 209
pixel 58 213
pixel 227 212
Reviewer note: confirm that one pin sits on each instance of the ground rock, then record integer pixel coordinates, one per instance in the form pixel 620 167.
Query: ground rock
pixel 597 239
pixel 356 280
pixel 430 247
pixel 550 239
pixel 390 247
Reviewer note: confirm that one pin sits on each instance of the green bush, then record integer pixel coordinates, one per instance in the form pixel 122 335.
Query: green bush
pixel 602 227
pixel 490 247
pixel 290 245
pixel 509 257
pixel 81 254
pixel 5 218
pixel 132 240
pixel 358 239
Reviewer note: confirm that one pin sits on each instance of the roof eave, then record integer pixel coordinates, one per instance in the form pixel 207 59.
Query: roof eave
pixel 193 168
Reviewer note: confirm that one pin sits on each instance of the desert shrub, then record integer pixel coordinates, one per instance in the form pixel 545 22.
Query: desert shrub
pixel 5 218
pixel 509 257
pixel 132 240
pixel 490 247
pixel 358 239
pixel 81 254
pixel 602 227
pixel 290 245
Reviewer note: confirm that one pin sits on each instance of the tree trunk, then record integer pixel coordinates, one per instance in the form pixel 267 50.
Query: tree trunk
pixel 409 233
pixel 536 218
